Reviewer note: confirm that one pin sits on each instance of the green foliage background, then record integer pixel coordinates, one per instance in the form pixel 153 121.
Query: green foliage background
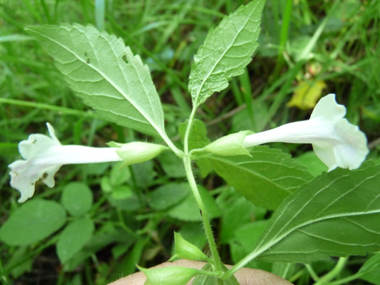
pixel 127 217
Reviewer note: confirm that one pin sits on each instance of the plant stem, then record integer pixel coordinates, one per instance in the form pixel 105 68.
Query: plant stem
pixel 188 129
pixel 193 186
pixel 333 273
pixel 312 272
pixel 206 221
pixel 177 151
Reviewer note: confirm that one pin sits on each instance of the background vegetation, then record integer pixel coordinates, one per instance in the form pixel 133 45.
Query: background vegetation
pixel 333 45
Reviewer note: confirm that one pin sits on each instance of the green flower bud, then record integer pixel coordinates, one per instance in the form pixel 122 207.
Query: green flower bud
pixel 229 145
pixel 174 275
pixel 137 152
pixel 186 250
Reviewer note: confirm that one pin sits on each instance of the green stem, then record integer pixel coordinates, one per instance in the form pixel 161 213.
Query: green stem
pixel 333 273
pixel 176 150
pixel 312 272
pixel 346 279
pixel 187 134
pixel 206 221
pixel 193 186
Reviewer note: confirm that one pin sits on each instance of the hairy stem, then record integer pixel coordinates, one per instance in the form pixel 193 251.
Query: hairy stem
pixel 205 219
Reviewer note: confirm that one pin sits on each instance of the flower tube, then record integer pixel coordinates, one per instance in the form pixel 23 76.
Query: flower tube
pixel 335 141
pixel 43 156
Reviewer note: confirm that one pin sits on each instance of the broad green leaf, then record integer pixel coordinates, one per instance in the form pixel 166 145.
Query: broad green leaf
pixel 226 52
pixel 77 198
pixel 371 270
pixel 265 179
pixel 73 238
pixel 244 241
pixel 105 74
pixel 337 214
pixel 236 212
pixel 168 195
pixel 32 222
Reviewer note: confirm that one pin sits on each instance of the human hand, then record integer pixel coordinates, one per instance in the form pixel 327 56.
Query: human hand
pixel 245 276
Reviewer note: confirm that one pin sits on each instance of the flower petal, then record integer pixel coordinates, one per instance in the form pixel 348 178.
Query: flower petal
pixel 24 175
pixel 352 150
pixel 328 109
pixel 45 155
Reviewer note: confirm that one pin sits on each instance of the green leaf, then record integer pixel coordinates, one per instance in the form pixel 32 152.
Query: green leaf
pixel 236 212
pixel 370 271
pixel 168 195
pixel 265 179
pixel 313 163
pixel 225 52
pixel 244 241
pixel 77 198
pixel 73 238
pixel 105 74
pixel 122 192
pixel 32 222
pixel 186 250
pixel 337 214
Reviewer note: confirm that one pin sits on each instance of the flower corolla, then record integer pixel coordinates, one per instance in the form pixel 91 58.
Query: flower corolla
pixel 335 141
pixel 43 156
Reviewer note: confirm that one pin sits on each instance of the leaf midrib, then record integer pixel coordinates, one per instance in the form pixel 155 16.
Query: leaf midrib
pixel 111 82
pixel 222 55
pixel 322 218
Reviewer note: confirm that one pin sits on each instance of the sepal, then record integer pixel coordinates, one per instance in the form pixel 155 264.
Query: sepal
pixel 186 250
pixel 137 152
pixel 229 145
pixel 172 275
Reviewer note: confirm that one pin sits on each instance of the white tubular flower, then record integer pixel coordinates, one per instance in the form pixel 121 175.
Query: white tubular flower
pixel 335 141
pixel 45 155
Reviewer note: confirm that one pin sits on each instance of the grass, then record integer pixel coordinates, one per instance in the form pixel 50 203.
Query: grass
pixel 333 41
